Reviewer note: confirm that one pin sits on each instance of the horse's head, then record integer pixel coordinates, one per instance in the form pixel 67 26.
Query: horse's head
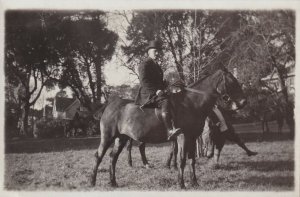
pixel 230 90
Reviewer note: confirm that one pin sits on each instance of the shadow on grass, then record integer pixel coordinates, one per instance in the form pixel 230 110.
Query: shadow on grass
pixel 267 137
pixel 262 166
pixel 269 166
pixel 286 182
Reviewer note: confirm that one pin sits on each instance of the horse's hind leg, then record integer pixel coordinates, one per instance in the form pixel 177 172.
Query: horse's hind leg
pixel 120 142
pixel 104 145
pixel 129 148
pixel 192 161
pixel 142 147
pixel 182 153
pixel 219 144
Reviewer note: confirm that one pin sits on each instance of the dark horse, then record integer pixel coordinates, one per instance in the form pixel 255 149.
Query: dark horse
pixel 81 124
pixel 122 120
pixel 214 140
pixel 273 113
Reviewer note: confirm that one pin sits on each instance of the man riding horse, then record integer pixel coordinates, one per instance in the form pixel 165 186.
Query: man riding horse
pixel 123 120
pixel 152 88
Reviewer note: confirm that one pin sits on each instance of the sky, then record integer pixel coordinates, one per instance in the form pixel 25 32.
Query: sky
pixel 116 74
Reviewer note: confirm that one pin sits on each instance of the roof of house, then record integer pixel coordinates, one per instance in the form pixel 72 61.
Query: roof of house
pixel 62 103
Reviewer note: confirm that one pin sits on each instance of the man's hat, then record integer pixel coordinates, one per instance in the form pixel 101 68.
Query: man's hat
pixel 154 44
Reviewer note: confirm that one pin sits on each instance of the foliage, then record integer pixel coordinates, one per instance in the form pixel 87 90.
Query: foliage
pixel 47 47
pixel 29 58
pixel 52 128
pixel 246 40
pixel 89 45
pixel 254 43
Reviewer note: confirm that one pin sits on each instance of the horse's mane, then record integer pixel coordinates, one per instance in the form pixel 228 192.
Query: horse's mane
pixel 205 72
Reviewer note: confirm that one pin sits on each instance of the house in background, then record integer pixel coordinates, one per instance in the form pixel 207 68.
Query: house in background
pixel 272 80
pixel 48 112
pixel 65 108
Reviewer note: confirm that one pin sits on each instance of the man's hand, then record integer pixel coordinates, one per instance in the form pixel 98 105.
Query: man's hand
pixel 159 92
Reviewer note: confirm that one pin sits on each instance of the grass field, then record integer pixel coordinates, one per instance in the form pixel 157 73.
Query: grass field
pixel 65 164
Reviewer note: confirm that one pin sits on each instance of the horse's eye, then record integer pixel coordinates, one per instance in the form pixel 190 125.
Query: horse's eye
pixel 226 98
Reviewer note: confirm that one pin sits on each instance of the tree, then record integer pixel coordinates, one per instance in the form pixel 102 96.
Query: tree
pixel 254 43
pixel 28 58
pixel 166 26
pixel 90 45
pixel 192 39
pixel 44 48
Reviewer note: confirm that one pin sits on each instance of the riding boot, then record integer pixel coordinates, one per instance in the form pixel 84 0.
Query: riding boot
pixel 172 132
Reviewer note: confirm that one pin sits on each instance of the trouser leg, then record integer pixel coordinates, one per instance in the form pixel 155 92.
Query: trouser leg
pixel 168 120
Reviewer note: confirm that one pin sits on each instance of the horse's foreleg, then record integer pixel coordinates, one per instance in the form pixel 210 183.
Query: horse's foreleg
pixel 120 142
pixel 129 148
pixel 192 161
pixel 168 164
pixel 199 147
pixel 175 145
pixel 182 153
pixel 142 147
pixel 173 152
pixel 219 146
pixel 104 145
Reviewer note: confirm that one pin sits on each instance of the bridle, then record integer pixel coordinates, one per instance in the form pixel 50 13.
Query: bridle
pixel 225 96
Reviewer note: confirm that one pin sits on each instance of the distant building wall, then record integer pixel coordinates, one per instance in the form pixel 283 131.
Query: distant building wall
pixel 70 111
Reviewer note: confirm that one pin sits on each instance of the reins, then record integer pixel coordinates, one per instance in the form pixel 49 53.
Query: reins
pixel 195 91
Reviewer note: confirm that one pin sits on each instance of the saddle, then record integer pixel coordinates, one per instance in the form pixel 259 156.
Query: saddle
pixel 173 89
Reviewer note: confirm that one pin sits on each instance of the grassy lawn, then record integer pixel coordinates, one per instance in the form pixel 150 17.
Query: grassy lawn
pixel 58 168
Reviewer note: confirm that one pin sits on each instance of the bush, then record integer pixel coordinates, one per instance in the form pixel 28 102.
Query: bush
pixel 49 128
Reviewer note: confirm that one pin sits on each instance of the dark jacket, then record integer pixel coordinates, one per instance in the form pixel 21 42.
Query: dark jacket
pixel 151 80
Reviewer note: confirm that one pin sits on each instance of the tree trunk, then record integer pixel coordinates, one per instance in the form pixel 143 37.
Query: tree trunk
pixel 24 120
pixel 98 81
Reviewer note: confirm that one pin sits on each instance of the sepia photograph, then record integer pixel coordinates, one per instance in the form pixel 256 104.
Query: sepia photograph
pixel 149 99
